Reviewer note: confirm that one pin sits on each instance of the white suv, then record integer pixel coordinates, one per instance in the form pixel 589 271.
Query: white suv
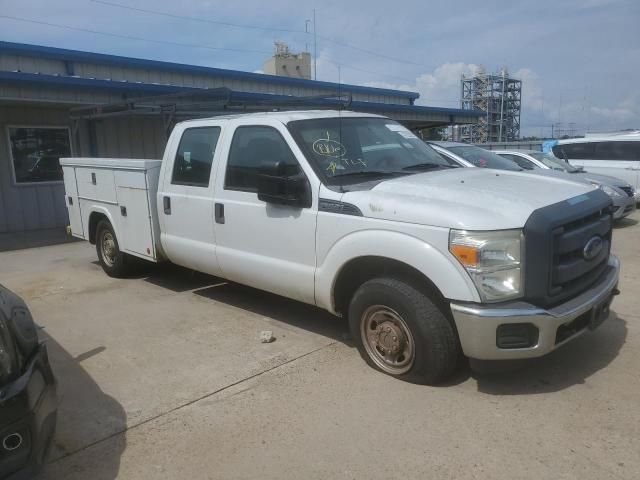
pixel 615 155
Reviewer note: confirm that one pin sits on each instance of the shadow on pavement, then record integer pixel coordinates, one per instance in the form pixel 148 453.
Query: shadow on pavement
pixel 86 415
pixel 280 309
pixel 570 365
pixel 175 278
pixel 625 222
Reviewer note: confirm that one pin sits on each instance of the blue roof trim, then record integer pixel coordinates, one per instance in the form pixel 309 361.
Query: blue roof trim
pixel 60 80
pixel 152 88
pixel 77 55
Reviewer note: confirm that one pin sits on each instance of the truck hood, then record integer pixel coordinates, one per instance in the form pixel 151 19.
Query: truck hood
pixel 464 198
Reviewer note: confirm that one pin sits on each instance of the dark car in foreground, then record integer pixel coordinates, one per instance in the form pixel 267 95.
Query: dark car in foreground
pixel 28 403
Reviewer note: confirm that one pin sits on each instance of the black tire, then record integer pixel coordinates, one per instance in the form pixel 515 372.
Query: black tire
pixel 114 262
pixel 436 346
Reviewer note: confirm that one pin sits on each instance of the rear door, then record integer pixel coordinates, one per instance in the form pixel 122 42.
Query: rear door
pixel 185 198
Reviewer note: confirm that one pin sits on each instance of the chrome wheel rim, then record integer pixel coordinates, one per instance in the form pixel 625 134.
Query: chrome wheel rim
pixel 108 248
pixel 387 339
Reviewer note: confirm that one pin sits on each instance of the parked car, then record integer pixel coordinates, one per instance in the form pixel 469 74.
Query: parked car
pixel 355 214
pixel 615 155
pixel 622 193
pixel 28 403
pixel 472 155
pixel 468 155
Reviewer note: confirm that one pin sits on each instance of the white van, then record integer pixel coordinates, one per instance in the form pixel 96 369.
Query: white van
pixel 615 155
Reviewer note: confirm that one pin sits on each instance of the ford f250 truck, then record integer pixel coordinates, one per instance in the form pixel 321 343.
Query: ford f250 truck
pixel 355 214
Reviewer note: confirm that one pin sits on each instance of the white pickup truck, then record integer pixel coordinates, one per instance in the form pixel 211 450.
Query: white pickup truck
pixel 353 213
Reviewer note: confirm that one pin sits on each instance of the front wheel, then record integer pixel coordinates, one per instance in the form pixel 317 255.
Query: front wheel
pixel 113 261
pixel 400 331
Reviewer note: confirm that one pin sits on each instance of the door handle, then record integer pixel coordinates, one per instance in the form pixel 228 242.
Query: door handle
pixel 166 203
pixel 219 212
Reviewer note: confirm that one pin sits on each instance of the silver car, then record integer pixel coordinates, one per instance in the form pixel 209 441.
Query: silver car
pixel 620 192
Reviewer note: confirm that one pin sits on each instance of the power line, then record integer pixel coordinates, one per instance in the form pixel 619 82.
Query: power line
pixel 196 19
pixel 343 65
pixel 189 45
pixel 131 37
pixel 253 27
pixel 370 52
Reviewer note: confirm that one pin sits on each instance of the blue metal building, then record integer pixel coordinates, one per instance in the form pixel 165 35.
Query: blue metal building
pixel 57 102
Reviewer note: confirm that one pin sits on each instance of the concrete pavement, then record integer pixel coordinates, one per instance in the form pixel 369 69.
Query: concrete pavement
pixel 164 376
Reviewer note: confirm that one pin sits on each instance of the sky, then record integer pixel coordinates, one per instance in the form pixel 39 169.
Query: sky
pixel 579 60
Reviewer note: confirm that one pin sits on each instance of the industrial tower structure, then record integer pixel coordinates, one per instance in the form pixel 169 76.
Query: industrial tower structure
pixel 499 96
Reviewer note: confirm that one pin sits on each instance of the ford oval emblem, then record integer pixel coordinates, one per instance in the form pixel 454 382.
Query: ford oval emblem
pixel 592 248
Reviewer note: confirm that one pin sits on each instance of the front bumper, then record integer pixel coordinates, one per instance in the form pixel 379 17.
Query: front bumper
pixel 478 324
pixel 28 406
pixel 623 207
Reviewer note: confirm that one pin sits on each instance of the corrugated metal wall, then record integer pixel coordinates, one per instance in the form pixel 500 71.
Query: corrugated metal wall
pixel 41 206
pixel 29 206
pixel 27 64
pixel 131 137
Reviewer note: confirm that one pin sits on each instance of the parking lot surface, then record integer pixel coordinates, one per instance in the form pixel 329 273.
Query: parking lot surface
pixel 163 376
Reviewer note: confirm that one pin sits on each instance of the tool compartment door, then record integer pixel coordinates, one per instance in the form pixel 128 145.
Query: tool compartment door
pixel 72 201
pixel 134 213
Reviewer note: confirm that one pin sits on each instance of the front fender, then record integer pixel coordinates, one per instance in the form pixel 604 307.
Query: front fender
pixel 446 274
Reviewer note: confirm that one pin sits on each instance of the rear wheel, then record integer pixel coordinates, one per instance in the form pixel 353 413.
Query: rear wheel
pixel 400 331
pixel 113 261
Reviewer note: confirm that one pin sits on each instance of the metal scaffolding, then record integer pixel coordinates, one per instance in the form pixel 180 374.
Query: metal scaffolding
pixel 499 97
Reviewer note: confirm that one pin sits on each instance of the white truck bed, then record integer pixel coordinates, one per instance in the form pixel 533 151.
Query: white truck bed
pixel 122 189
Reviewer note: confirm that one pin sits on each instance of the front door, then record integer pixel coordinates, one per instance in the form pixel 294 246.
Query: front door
pixel 268 246
pixel 185 201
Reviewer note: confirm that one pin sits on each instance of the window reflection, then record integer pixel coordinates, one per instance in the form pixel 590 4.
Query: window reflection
pixel 36 153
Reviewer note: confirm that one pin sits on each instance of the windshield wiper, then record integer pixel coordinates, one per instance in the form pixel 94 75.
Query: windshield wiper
pixel 368 173
pixel 427 166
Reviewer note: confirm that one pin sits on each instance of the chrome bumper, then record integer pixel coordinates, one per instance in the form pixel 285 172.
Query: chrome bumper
pixel 477 324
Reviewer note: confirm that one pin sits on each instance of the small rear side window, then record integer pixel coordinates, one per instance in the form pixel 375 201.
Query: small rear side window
pixel 618 151
pixel 194 158
pixel 520 161
pixel 575 151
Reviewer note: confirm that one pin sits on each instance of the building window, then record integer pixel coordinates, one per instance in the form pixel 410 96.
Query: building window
pixel 195 155
pixel 251 146
pixel 36 153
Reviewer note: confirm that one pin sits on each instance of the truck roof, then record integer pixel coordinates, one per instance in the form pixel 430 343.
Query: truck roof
pixel 291 115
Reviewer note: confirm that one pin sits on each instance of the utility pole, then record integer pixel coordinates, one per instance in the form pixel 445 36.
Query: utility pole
pixel 315 47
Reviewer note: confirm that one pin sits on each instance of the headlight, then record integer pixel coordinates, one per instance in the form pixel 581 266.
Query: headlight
pixel 8 354
pixel 612 192
pixel 492 259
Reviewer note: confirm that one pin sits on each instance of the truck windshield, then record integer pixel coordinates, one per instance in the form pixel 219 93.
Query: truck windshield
pixel 358 149
pixel 483 158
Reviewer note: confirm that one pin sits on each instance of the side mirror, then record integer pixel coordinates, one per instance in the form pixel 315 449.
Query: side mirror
pixel 277 185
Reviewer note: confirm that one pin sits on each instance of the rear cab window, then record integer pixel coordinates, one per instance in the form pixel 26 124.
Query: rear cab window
pixel 192 165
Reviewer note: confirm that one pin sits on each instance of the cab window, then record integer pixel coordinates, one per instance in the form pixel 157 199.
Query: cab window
pixel 192 165
pixel 250 148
